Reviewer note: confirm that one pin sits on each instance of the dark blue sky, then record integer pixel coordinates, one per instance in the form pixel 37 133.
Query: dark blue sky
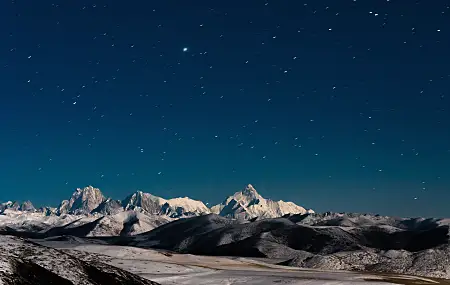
pixel 335 105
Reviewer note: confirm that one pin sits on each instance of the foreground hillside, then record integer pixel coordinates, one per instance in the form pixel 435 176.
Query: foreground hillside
pixel 335 241
pixel 26 263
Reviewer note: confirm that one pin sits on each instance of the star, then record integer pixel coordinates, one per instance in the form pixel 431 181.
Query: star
pixel 252 95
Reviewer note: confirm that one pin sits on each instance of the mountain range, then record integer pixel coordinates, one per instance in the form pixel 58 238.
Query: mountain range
pixel 89 213
pixel 244 225
pixel 245 204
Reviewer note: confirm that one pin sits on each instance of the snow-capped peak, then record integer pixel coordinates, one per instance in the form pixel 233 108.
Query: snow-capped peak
pixel 83 201
pixel 26 206
pixel 189 205
pixel 250 191
pixel 248 203
pixel 143 201
pixel 175 207
pixel 250 188
pixel 248 195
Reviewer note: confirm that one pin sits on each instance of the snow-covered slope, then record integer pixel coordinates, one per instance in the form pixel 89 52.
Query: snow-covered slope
pixel 127 223
pixel 33 222
pixel 248 204
pixel 123 223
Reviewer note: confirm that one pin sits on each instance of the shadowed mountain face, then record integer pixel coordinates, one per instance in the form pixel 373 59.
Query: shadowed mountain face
pixel 366 243
pixel 145 201
pixel 206 234
pixel 28 263
pixel 25 272
pixel 108 207
pixel 325 241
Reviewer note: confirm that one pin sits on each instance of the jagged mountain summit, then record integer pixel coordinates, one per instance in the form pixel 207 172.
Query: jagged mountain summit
pixel 248 203
pixel 83 201
pixel 143 201
pixel 26 206
pixel 174 208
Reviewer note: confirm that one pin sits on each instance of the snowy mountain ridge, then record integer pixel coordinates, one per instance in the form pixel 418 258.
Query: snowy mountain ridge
pixel 89 200
pixel 89 213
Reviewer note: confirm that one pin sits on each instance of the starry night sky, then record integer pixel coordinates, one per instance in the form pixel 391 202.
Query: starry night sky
pixel 335 105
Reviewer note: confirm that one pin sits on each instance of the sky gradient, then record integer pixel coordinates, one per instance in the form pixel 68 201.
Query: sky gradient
pixel 334 105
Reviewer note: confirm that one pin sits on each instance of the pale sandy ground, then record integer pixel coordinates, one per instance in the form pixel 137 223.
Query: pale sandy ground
pixel 185 269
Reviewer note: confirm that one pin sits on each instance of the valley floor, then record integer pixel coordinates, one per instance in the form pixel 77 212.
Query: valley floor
pixel 184 269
